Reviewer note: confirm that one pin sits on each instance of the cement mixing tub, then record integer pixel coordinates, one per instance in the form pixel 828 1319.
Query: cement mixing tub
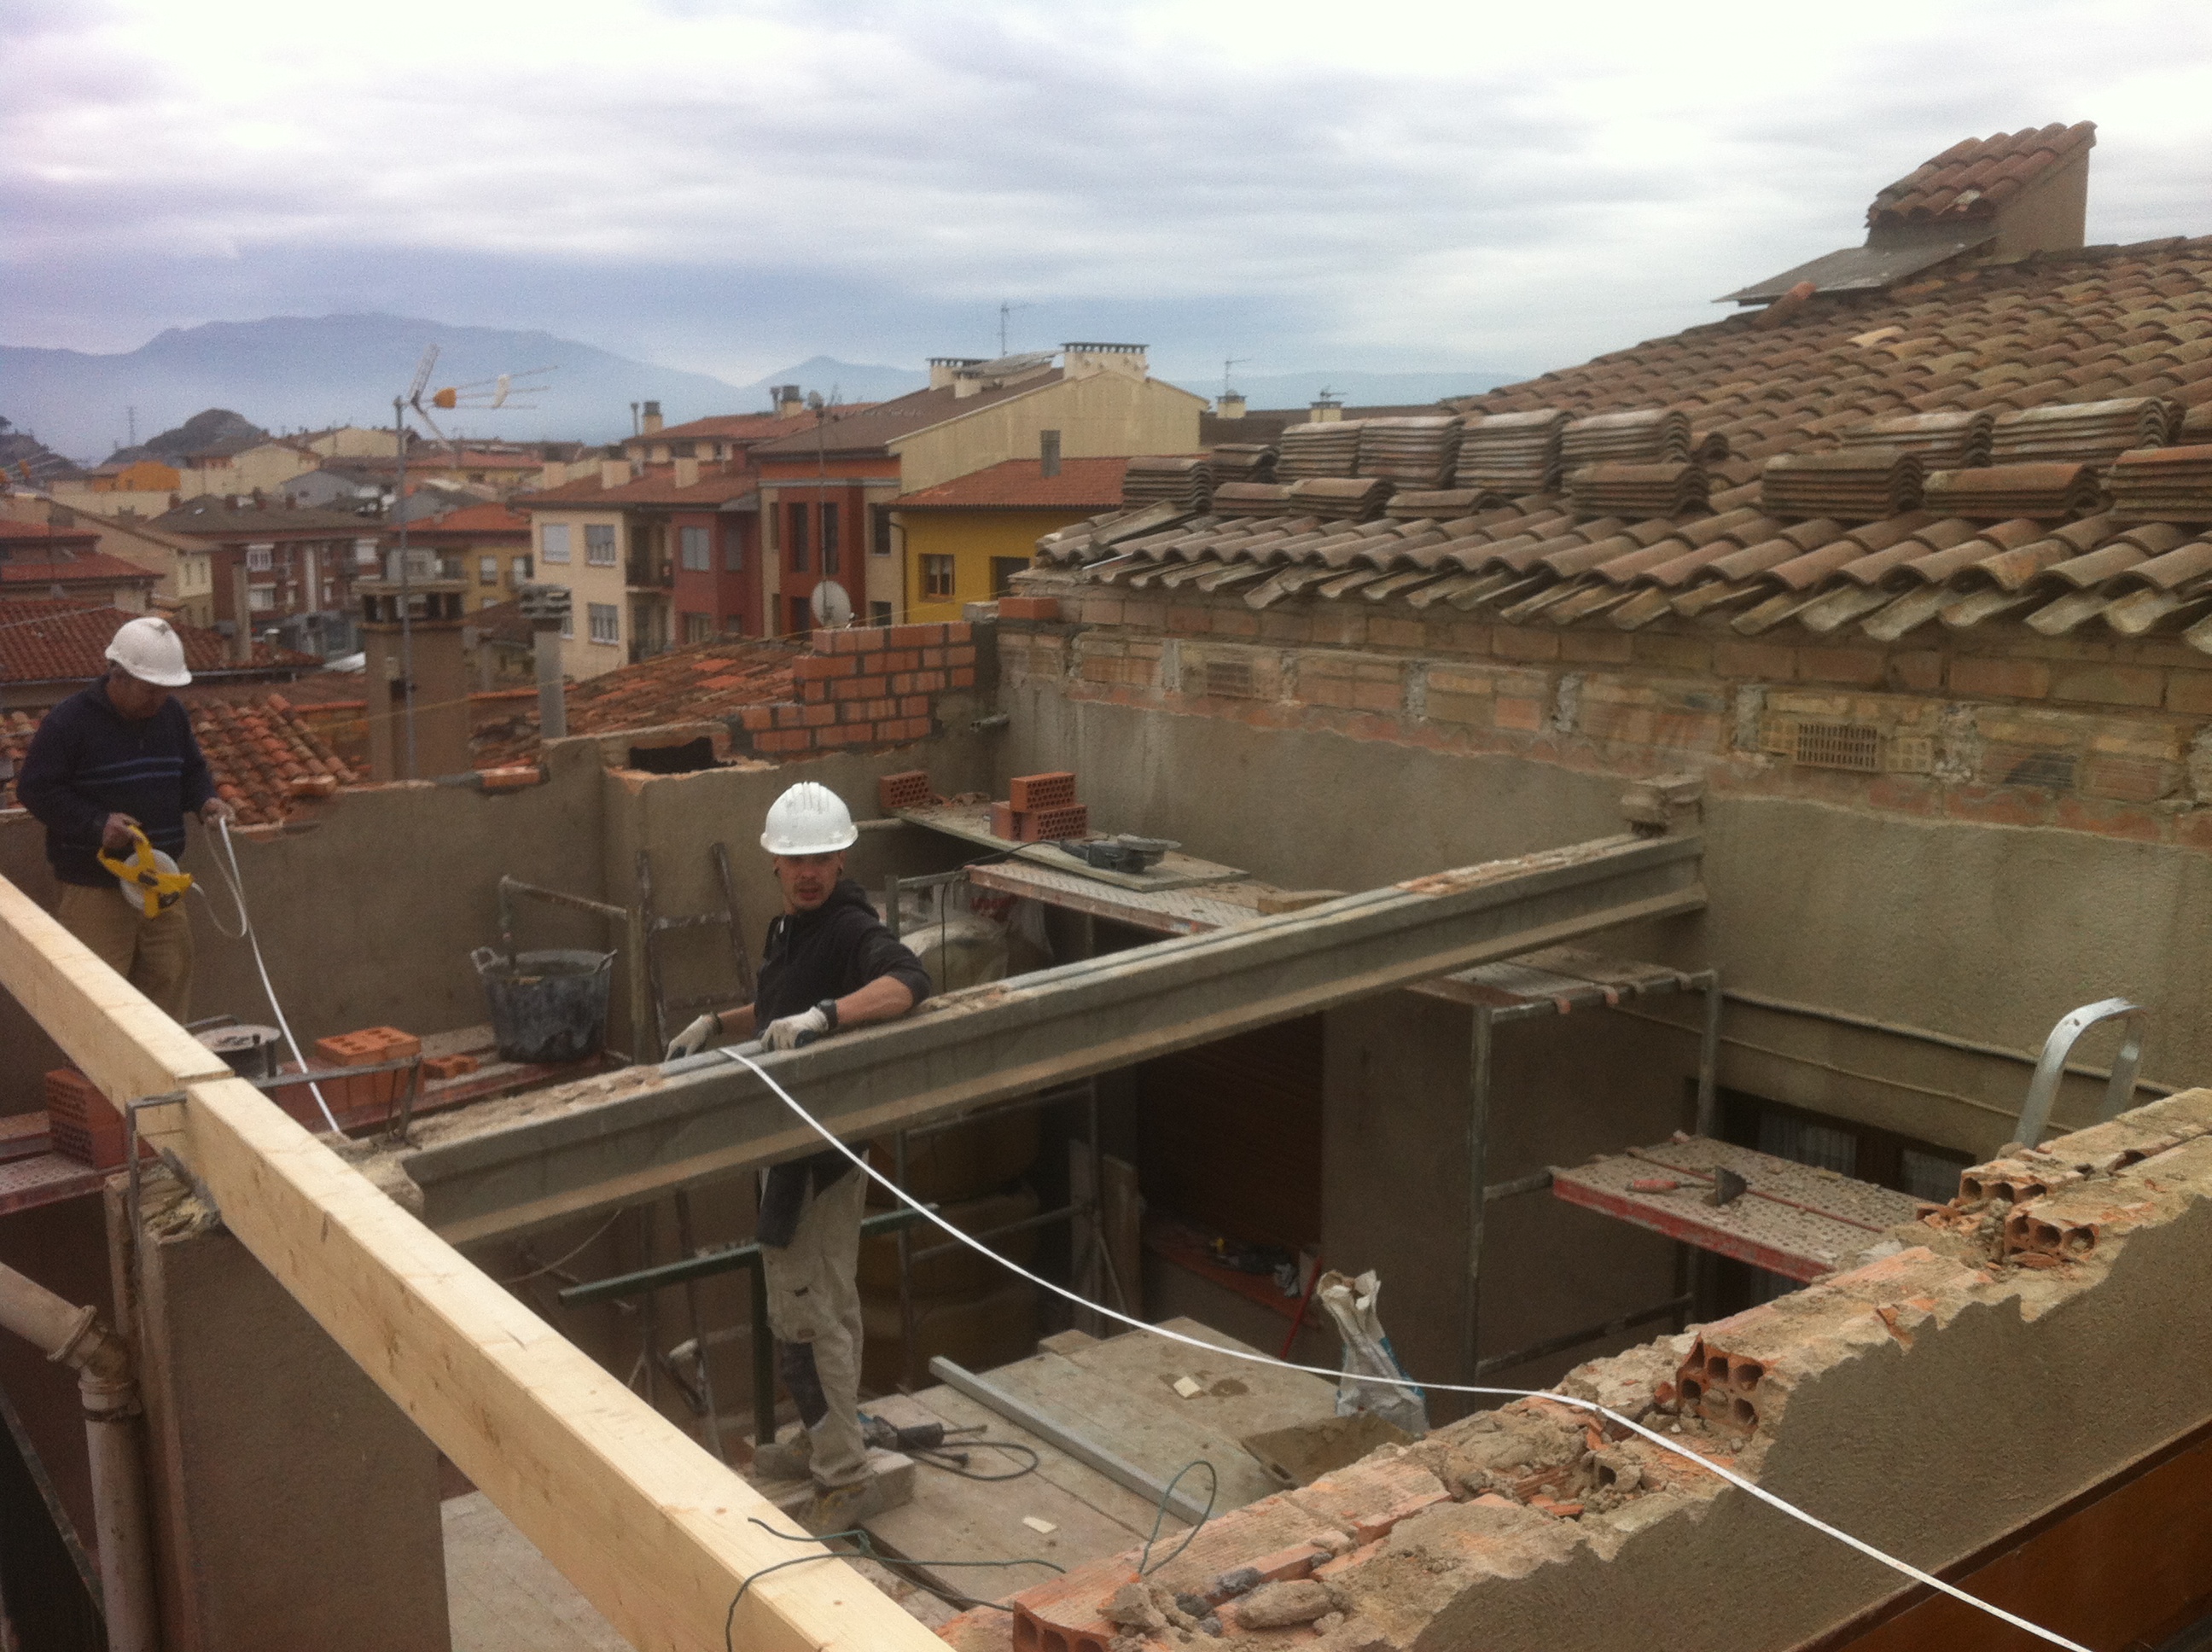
pixel 546 1006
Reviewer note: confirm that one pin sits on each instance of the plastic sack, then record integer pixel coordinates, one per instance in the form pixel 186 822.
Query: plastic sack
pixel 1368 1355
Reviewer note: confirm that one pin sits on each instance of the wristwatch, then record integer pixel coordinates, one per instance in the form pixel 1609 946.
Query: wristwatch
pixel 828 1008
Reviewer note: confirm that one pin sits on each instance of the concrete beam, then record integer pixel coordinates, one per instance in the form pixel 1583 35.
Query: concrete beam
pixel 706 1118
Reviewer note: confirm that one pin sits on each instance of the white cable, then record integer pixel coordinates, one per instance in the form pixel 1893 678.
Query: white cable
pixel 237 881
pixel 1660 1440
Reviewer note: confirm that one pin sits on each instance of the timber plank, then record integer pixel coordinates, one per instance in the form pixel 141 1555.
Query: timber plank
pixel 1112 1503
pixel 1240 1398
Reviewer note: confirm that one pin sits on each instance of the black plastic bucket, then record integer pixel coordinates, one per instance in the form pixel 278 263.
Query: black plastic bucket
pixel 547 1006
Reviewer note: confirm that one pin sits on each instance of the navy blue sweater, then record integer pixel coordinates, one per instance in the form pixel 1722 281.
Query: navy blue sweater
pixel 88 762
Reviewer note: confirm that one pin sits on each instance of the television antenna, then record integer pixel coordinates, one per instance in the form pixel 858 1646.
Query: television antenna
pixel 1228 363
pixel 488 394
pixel 1006 309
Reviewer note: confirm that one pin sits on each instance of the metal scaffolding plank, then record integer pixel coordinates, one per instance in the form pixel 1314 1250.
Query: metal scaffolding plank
pixel 704 1117
pixel 1792 1220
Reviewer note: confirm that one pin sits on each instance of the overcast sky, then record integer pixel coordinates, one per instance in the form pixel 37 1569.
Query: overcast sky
pixel 732 186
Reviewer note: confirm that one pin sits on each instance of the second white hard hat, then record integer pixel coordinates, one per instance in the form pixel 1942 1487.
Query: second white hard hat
pixel 151 651
pixel 809 819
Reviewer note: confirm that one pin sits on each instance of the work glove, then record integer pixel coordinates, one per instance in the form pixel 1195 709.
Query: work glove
pixel 794 1029
pixel 694 1038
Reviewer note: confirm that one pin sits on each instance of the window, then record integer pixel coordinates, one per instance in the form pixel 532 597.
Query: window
pixel 734 551
pixel 607 622
pixel 795 537
pixel 682 450
pixel 599 545
pixel 802 617
pixel 520 567
pixel 259 558
pixel 880 613
pixel 487 570
pixel 553 541
pixel 829 537
pixel 698 627
pixel 487 602
pixel 879 530
pixel 364 552
pixel 937 576
pixel 568 624
pixel 1002 569
pixel 698 551
pixel 261 598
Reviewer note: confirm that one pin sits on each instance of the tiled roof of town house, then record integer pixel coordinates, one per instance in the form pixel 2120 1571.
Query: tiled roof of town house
pixel 718 482
pixel 1014 485
pixel 703 683
pixel 67 642
pixel 90 567
pixel 751 427
pixel 2127 328
pixel 1977 175
pixel 19 538
pixel 212 516
pixel 255 751
pixel 862 430
pixel 475 521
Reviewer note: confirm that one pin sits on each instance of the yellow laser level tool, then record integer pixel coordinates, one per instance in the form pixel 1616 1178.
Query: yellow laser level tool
pixel 150 879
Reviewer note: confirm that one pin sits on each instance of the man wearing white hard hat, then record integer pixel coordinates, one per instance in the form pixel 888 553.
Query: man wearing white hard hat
pixel 112 761
pixel 829 964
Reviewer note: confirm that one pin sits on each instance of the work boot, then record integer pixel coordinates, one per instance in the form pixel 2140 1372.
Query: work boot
pixel 787 1460
pixel 841 1507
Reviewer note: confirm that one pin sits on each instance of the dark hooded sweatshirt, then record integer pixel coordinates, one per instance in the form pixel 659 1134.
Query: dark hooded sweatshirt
pixel 830 952
pixel 88 761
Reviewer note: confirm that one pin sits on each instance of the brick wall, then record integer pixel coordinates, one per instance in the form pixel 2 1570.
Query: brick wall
pixel 2106 735
pixel 879 685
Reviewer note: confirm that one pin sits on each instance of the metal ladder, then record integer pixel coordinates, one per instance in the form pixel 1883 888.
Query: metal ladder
pixel 652 927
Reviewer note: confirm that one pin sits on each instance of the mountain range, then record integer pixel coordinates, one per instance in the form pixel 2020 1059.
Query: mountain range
pixel 293 373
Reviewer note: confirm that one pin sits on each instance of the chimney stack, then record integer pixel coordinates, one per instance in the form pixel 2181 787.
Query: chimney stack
pixel 1047 452
pixel 653 421
pixel 687 472
pixel 1231 405
pixel 614 472
pixel 1325 408
pixel 789 403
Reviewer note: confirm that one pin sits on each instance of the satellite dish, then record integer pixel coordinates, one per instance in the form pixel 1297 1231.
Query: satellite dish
pixel 832 607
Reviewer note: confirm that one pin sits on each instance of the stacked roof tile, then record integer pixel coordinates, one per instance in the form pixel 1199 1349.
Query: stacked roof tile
pixel 1940 441
pixel 1323 449
pixel 1617 489
pixel 706 682
pixel 1184 479
pixel 2167 484
pixel 1977 175
pixel 2089 431
pixel 1994 493
pixel 1418 452
pixel 1653 435
pixel 1243 461
pixel 1852 484
pixel 1511 452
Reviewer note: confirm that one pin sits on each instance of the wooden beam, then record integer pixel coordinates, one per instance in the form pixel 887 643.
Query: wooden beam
pixel 640 1518
pixel 707 1118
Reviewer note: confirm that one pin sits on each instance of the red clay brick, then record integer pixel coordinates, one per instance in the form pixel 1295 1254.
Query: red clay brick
pixel 1859 667
pixel 1762 660
pixel 965 677
pixel 1921 671
pixel 915 705
pixel 959 631
pixel 931 658
pixel 909 789
pixel 960 656
pixel 901 659
pixel 817 716
pixel 1519 642
pixel 2108 819
pixel 1388 633
pixel 1028 793
pixel 757 718
pixel 1597 648
pixel 809 667
pixel 797 739
pixel 847 734
pixel 1186 619
pixel 1998 805
pixel 2007 679
pixel 859 688
pixel 1238 622
pixel 449 1067
pixel 2189 691
pixel 1526 716
pixel 813 692
pixel 1029 608
pixel 2108 685
pixel 789 716
pixel 916 636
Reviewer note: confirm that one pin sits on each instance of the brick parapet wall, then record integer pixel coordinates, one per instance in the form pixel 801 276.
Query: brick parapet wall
pixel 2106 735
pixel 868 686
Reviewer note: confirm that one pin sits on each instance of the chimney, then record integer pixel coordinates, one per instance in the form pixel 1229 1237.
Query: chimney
pixel 652 418
pixel 614 472
pixel 789 403
pixel 1325 408
pixel 1047 452
pixel 552 473
pixel 944 370
pixel 1230 406
pixel 687 472
pixel 1082 359
pixel 241 630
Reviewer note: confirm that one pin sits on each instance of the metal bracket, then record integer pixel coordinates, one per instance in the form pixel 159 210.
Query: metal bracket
pixel 2043 1088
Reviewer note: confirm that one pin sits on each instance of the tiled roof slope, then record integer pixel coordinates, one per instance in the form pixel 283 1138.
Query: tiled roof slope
pixel 2100 324
pixel 477 520
pixel 67 642
pixel 1977 175
pixel 91 569
pixel 718 483
pixel 257 750
pixel 743 427
pixel 1021 485
pixel 19 538
pixel 868 430
pixel 703 683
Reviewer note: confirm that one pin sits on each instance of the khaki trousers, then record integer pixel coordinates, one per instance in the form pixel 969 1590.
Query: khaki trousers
pixel 814 1308
pixel 155 955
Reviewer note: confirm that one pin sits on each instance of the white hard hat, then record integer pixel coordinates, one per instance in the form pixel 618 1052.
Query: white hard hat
pixel 809 819
pixel 151 651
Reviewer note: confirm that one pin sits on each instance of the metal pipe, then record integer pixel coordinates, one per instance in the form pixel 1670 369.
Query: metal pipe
pixel 905 1241
pixel 1478 1148
pixel 1708 1120
pixel 702 1266
pixel 683 1239
pixel 1041 1219
pixel 73 1336
pixel 1559 1344
pixel 1537 1182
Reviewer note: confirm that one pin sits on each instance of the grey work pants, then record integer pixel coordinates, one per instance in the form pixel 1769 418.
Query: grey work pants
pixel 814 1308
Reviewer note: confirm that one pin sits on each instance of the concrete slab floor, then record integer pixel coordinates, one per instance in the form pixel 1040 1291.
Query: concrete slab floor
pixel 504 1596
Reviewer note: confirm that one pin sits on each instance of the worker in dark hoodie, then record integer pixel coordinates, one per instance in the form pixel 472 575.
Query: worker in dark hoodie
pixel 829 964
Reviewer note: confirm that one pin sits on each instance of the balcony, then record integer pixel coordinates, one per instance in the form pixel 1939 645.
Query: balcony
pixel 649 574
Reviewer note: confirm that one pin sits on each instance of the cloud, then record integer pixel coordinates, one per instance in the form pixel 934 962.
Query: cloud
pixel 724 185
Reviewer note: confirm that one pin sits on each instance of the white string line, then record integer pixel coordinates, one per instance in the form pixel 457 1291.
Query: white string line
pixel 232 876
pixel 1902 1568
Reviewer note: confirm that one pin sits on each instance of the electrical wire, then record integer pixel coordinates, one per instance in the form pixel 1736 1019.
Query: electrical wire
pixel 860 1539
pixel 1902 1568
pixel 1145 1566
pixel 934 1455
pixel 237 882
pixel 536 1273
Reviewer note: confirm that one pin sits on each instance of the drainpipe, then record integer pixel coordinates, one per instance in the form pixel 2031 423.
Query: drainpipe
pixel 73 1336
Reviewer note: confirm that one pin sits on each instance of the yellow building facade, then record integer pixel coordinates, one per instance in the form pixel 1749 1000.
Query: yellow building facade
pixel 954 557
